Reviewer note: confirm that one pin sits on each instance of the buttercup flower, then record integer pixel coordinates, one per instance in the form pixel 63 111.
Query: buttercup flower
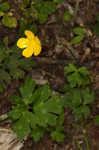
pixel 31 44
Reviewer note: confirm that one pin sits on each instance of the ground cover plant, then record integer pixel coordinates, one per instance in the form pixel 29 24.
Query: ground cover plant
pixel 49 73
pixel 8 20
pixel 37 110
pixel 13 66
pixel 77 93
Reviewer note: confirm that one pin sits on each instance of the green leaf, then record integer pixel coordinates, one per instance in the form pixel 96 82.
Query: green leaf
pixel 42 111
pixel 76 76
pixel 5 41
pixel 14 114
pixel 4 6
pixel 72 98
pixel 1 13
pixel 57 136
pixel 81 112
pixel 13 66
pixel 26 64
pixel 70 68
pixel 75 79
pixel 48 7
pixel 9 21
pixel 54 104
pixel 83 71
pixel 77 39
pixel 88 97
pixel 37 133
pixel 17 73
pixel 42 93
pixel 34 28
pixel 43 17
pixel 67 16
pixel 46 111
pixel 27 89
pixel 60 121
pixel 96 119
pixel 79 31
pixel 4 76
pixel 65 88
pixel 17 100
pixel 21 128
pixel 25 4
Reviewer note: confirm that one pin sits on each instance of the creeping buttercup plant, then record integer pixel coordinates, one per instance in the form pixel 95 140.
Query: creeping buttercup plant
pixel 77 92
pixel 8 19
pixel 12 65
pixel 37 110
pixel 80 34
pixel 39 10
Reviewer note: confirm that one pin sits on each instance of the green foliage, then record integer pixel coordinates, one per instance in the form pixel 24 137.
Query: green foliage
pixel 32 11
pixel 86 144
pixel 77 76
pixel 96 119
pixel 24 4
pixel 13 66
pixel 58 1
pixel 57 134
pixel 80 34
pixel 37 110
pixel 42 18
pixel 67 16
pixel 79 30
pixel 9 21
pixel 77 95
pixel 4 6
pixel 38 10
pixel 1 13
pixel 77 99
pixel 95 27
pixel 42 13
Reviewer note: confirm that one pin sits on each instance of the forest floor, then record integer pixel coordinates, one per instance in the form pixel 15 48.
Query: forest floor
pixel 50 69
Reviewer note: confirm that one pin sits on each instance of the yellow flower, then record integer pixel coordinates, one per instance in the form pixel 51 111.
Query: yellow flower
pixel 31 44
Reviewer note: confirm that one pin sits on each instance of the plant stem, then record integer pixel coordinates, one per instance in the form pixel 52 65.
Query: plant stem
pixel 70 51
pixel 87 144
pixel 75 11
pixel 78 145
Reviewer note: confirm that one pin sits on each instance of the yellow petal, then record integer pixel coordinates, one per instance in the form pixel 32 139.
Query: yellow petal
pixel 37 51
pixel 28 52
pixel 23 43
pixel 37 40
pixel 30 35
